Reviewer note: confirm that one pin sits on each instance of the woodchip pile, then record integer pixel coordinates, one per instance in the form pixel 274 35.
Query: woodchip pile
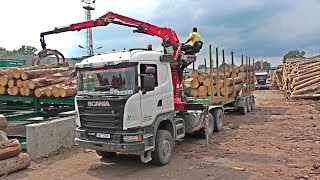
pixel 51 80
pixel 11 157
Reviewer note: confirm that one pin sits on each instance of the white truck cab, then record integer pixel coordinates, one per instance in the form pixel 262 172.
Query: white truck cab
pixel 122 97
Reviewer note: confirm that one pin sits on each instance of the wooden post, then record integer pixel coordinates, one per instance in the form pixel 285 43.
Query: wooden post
pixel 211 69
pixel 242 72
pixel 232 64
pixel 224 76
pixel 217 78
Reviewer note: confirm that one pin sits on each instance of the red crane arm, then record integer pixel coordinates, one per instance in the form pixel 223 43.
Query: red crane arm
pixel 168 35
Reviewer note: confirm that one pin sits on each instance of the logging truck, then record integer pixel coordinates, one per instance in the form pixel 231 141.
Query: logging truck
pixel 135 102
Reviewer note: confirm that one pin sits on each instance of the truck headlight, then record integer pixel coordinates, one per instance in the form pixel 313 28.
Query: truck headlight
pixel 136 138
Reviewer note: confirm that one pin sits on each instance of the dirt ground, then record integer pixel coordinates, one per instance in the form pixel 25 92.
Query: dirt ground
pixel 280 139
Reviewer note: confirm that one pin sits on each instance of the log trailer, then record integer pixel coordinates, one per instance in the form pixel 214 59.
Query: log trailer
pixel 132 101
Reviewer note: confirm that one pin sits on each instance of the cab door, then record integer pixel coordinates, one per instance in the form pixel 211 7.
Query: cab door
pixel 151 102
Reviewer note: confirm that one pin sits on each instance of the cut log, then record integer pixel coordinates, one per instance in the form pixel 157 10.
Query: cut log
pixel 3 122
pixel 306 96
pixel 201 78
pixel 28 92
pixel 47 90
pixel 32 74
pixel 203 91
pixel 21 91
pixel 307 90
pixel 2 90
pixel 194 92
pixel 19 83
pixel 212 91
pixel 25 84
pixel 10 148
pixel 315 69
pixel 308 83
pixel 195 83
pixel 300 78
pixel 13 164
pixel 12 82
pixel 13 91
pixel 46 81
pixel 195 74
pixel 4 80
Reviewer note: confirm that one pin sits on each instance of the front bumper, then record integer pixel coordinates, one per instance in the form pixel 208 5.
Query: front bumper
pixel 113 144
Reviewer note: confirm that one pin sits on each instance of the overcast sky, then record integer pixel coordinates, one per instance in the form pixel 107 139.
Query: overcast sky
pixel 263 29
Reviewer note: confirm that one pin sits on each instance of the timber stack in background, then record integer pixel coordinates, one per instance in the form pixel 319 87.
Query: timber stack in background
pixel 299 78
pixel 11 158
pixel 51 80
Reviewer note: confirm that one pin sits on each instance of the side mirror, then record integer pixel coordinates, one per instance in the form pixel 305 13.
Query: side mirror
pixel 149 83
pixel 150 70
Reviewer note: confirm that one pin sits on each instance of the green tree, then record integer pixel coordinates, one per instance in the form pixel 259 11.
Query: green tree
pixel 23 50
pixel 293 54
pixel 266 65
pixel 201 66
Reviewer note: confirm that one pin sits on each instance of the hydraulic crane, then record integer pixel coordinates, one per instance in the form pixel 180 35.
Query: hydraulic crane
pixel 170 42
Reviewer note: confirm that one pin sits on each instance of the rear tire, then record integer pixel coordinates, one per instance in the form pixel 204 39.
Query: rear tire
pixel 163 148
pixel 249 105
pixel 253 103
pixel 104 154
pixel 243 110
pixel 218 117
pixel 201 133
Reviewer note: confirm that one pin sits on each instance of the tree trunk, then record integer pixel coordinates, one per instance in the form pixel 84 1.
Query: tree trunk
pixel 17 163
pixel 9 149
pixel 306 96
pixel 32 74
pixel 307 90
pixel 308 83
pixel 46 81
pixel 3 122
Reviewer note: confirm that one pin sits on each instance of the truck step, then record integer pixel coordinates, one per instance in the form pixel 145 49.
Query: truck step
pixel 146 159
pixel 146 136
pixel 148 148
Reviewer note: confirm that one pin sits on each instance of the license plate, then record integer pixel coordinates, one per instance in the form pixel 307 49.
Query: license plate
pixel 101 135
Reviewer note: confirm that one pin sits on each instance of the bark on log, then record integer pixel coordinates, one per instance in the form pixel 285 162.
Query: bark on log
pixel 13 164
pixel 46 81
pixel 32 74
pixel 307 90
pixel 3 122
pixel 47 90
pixel 316 69
pixel 308 83
pixel 306 96
pixel 300 78
pixel 9 149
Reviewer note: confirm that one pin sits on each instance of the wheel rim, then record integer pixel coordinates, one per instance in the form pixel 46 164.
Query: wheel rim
pixel 166 148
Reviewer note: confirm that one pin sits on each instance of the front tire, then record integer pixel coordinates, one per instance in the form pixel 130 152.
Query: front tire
pixel 249 101
pixel 163 148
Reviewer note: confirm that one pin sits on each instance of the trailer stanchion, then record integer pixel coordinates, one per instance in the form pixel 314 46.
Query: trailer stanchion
pixel 224 77
pixel 242 72
pixel 247 79
pixel 254 75
pixel 211 69
pixel 217 77
pixel 232 64
pixel 249 75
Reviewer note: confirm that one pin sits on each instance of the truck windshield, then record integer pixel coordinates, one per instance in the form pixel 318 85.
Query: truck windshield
pixel 119 81
pixel 261 77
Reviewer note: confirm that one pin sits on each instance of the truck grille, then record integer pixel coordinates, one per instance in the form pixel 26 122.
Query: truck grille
pixel 100 116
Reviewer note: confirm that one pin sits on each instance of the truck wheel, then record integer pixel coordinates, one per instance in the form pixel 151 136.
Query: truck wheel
pixel 253 103
pixel 218 117
pixel 201 133
pixel 243 110
pixel 249 101
pixel 104 154
pixel 163 148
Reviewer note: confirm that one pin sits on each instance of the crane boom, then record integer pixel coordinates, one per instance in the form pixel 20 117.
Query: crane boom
pixel 168 36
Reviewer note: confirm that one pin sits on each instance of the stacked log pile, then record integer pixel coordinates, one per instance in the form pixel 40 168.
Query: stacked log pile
pixel 51 80
pixel 225 80
pixel 11 158
pixel 276 77
pixel 301 78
